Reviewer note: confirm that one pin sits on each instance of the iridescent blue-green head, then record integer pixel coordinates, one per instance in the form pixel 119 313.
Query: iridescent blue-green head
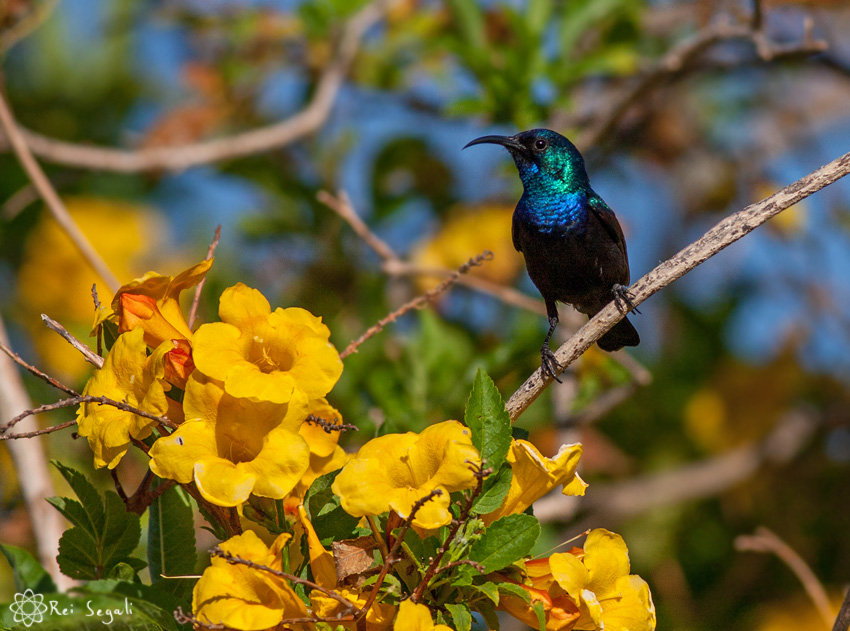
pixel 544 158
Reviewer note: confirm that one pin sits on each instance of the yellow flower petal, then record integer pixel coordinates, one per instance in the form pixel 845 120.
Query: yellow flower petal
pixel 534 476
pixel 322 443
pixel 128 374
pixel 378 618
pixel 395 471
pixel 234 447
pixel 152 303
pixel 263 355
pixel 600 583
pixel 321 561
pixel 241 597
pixel 414 617
pixel 606 559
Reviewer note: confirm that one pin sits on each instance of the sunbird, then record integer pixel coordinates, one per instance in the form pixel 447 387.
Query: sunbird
pixel 573 245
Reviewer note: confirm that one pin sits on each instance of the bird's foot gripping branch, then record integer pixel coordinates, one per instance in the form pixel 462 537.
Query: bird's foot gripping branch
pixel 414 531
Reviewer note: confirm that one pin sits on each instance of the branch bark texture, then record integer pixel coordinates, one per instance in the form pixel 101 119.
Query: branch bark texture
pixel 719 237
pixel 260 140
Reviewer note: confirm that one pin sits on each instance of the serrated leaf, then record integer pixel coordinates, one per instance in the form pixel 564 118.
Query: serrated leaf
pixel 104 533
pixel 171 541
pixel 88 512
pixel 27 571
pixel 495 491
pixel 506 540
pixel 488 420
pixel 461 615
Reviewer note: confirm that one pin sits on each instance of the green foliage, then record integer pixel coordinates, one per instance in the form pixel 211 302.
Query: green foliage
pixel 461 616
pixel 27 571
pixel 328 517
pixel 495 490
pixel 171 542
pixel 103 533
pixel 488 420
pixel 507 540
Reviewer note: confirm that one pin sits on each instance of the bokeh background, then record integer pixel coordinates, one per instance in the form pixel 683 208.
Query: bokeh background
pixel 734 412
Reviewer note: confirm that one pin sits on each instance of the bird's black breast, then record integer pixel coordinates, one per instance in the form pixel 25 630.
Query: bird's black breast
pixel 572 265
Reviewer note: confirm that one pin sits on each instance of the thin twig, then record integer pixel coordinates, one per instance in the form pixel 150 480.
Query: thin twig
pixel 193 312
pixel 85 398
pixel 396 545
pixel 719 237
pixel 237 560
pixel 51 197
pixel 341 205
pixel 765 540
pixel 417 303
pixel 480 473
pixel 40 432
pixel 255 141
pixel 330 426
pixel 35 371
pixel 680 58
pixel 89 355
pixel 39 13
pixel 842 620
pixel 504 293
pixel 30 461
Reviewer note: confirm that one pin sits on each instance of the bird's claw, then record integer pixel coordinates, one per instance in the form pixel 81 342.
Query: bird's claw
pixel 623 298
pixel 550 365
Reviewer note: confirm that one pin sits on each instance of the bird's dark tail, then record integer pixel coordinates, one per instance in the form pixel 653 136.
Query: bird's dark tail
pixel 623 334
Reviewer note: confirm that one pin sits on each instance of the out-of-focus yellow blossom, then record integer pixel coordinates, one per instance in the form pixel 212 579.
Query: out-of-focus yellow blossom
pixel 128 374
pixel 234 447
pixel 395 471
pixel 152 303
pixel 55 279
pixel 263 355
pixel 599 582
pixel 413 617
pixel 534 476
pixel 378 618
pixel 242 597
pixel 466 234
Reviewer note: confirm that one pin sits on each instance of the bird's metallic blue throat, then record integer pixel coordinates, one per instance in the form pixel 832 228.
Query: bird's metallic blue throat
pixel 549 214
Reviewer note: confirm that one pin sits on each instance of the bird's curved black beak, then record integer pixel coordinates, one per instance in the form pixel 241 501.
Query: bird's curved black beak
pixel 508 142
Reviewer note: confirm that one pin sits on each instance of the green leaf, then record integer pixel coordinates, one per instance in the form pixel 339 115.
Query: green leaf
pixel 103 533
pixel 461 615
pixel 490 590
pixel 171 541
pixel 28 572
pixel 326 513
pixel 507 540
pixel 88 512
pixel 541 614
pixel 514 590
pixel 488 420
pixel 496 488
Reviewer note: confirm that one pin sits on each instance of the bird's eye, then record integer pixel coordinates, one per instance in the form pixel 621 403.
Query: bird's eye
pixel 540 144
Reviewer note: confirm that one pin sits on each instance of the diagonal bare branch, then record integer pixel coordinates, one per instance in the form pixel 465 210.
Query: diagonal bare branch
pixel 179 158
pixel 719 237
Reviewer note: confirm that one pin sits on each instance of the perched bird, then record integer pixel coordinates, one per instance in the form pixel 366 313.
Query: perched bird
pixel 573 245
